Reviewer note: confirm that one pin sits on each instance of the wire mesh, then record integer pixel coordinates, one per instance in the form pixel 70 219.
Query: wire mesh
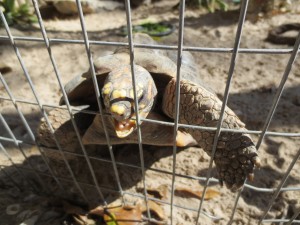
pixel 235 50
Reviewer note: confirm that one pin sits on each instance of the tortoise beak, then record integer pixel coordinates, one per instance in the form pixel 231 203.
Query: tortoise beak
pixel 125 127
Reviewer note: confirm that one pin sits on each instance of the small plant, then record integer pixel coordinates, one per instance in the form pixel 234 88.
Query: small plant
pixel 211 5
pixel 153 29
pixel 21 15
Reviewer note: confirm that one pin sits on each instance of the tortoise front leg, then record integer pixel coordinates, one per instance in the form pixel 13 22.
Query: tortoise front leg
pixel 236 155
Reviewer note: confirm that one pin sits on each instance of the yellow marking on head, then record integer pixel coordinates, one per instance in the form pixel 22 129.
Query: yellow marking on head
pixel 106 91
pixel 107 88
pixel 107 85
pixel 140 86
pixel 117 109
pixel 131 94
pixel 142 106
pixel 139 93
pixel 119 93
pixel 106 100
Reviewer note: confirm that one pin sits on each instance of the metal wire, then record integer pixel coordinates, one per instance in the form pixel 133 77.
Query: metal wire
pixel 163 47
pixel 243 10
pixel 269 119
pixel 15 167
pixel 293 219
pixel 275 195
pixel 12 42
pixel 287 221
pixel 257 132
pixel 131 45
pixel 136 104
pixel 29 131
pixel 11 178
pixel 177 99
pixel 214 180
pixel 98 97
pixel 9 131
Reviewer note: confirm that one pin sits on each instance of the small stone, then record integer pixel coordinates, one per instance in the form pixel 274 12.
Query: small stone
pixel 13 209
pixel 4 68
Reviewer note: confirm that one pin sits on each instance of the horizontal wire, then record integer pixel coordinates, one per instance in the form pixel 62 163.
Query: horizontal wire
pixel 125 192
pixel 257 132
pixel 163 47
pixel 150 198
pixel 167 47
pixel 279 221
pixel 258 189
pixel 35 94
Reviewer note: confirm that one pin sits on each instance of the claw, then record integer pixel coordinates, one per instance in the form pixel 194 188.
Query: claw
pixel 221 182
pixel 256 161
pixel 251 177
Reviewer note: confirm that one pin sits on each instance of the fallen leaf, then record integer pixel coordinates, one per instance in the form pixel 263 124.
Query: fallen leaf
pixel 159 192
pixel 83 220
pixel 98 211
pixel 188 193
pixel 123 216
pixel 155 209
pixel 119 215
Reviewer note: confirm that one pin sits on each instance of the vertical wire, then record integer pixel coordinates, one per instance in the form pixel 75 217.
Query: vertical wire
pixel 29 131
pixel 66 99
pixel 273 108
pixel 98 97
pixel 242 17
pixel 280 89
pixel 177 100
pixel 11 134
pixel 136 104
pixel 8 176
pixel 283 180
pixel 15 166
pixel 296 214
pixel 26 74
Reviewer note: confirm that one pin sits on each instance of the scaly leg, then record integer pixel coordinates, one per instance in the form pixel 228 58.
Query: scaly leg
pixel 236 155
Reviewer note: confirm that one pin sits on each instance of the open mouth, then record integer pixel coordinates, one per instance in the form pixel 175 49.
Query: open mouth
pixel 125 127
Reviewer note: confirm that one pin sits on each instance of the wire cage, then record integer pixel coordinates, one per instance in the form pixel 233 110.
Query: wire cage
pixel 59 184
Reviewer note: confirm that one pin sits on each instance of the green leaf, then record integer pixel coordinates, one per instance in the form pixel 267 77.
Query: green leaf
pixel 9 5
pixel 24 9
pixel 113 219
pixel 222 5
pixel 9 18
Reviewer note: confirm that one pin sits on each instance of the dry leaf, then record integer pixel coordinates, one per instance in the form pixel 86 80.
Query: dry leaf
pixel 159 192
pixel 188 193
pixel 155 209
pixel 126 215
pixel 83 220
pixel 98 211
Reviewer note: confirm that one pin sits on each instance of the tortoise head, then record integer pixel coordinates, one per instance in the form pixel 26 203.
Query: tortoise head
pixel 118 97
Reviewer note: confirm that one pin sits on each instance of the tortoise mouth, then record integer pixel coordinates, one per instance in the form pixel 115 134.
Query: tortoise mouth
pixel 125 127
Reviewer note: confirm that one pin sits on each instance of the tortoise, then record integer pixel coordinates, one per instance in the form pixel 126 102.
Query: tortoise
pixel 155 74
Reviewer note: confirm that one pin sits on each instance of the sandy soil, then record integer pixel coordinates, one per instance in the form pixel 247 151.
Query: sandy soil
pixel 254 85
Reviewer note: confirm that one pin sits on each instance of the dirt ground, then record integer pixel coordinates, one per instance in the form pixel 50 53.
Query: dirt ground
pixel 255 81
